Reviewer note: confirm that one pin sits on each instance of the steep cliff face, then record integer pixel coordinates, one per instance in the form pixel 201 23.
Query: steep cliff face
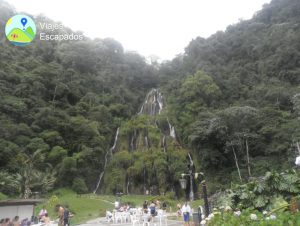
pixel 153 103
pixel 141 138
pixel 143 151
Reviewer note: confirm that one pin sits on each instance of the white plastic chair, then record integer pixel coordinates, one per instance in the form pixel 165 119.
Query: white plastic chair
pixel 162 217
pixel 145 218
pixel 134 220
pixel 125 216
pixel 109 216
pixel 117 217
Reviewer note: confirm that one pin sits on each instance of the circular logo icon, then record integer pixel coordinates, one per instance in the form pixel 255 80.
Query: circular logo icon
pixel 20 30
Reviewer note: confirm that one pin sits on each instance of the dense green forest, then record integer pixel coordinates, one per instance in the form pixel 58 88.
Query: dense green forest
pixel 233 99
pixel 238 91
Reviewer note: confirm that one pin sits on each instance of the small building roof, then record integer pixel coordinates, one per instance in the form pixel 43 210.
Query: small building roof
pixel 19 202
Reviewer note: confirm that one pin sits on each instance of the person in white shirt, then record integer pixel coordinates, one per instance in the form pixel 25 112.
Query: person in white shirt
pixel 117 205
pixel 186 212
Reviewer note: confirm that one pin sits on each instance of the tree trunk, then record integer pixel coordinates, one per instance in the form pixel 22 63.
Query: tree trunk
pixel 236 162
pixel 298 147
pixel 248 158
pixel 27 190
pixel 144 187
pixel 127 186
pixel 54 96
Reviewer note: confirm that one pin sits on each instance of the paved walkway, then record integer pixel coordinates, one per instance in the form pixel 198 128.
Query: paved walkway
pixel 102 222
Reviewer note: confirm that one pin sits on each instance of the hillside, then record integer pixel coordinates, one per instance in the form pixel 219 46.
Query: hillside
pixel 237 92
pixel 61 103
pixel 231 100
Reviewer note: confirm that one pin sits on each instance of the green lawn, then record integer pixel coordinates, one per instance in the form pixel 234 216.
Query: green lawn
pixel 84 208
pixel 87 207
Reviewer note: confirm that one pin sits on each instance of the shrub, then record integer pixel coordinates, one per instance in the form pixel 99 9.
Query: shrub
pixel 267 192
pixel 79 186
pixel 250 217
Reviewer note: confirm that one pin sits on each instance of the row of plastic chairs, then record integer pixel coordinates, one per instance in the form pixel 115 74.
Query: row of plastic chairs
pixel 146 219
pixel 137 217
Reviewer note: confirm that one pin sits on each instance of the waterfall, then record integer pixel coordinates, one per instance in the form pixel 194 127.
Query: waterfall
pixel 115 141
pixel 160 103
pixel 110 151
pixel 172 129
pixel 164 143
pixel 146 142
pixel 153 103
pixel 131 144
pixel 191 160
pixel 141 111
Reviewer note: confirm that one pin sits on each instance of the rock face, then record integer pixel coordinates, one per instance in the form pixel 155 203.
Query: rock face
pixel 148 129
pixel 153 106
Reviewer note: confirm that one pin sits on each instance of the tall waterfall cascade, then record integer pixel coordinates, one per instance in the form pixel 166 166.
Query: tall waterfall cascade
pixel 153 103
pixel 139 139
pixel 107 154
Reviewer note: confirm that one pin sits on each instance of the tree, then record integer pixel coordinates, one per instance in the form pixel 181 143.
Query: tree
pixel 296 102
pixel 241 125
pixel 79 186
pixel 200 87
pixel 29 175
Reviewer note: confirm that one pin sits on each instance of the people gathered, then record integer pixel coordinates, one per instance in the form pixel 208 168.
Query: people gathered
pixel 63 214
pixel 13 222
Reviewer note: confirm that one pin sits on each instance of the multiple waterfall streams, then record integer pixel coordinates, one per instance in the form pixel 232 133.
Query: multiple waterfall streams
pixel 152 105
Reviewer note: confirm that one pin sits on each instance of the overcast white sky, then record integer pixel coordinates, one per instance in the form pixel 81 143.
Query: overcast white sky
pixel 159 27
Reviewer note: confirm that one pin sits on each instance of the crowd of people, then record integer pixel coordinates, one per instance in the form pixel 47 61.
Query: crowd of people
pixel 151 208
pixel 10 222
pixel 43 218
pixel 25 222
pixel 148 211
pixel 64 215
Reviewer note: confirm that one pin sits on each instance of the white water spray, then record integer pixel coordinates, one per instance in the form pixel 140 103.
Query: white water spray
pixel 110 151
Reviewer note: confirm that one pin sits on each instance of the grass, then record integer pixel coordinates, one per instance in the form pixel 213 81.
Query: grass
pixel 2 196
pixel 91 206
pixel 195 204
pixel 84 208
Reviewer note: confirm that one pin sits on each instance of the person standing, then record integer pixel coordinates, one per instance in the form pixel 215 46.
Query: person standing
pixel 179 213
pixel 117 205
pixel 145 205
pixel 66 216
pixel 152 210
pixel 164 206
pixel 157 204
pixel 186 212
pixel 60 212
